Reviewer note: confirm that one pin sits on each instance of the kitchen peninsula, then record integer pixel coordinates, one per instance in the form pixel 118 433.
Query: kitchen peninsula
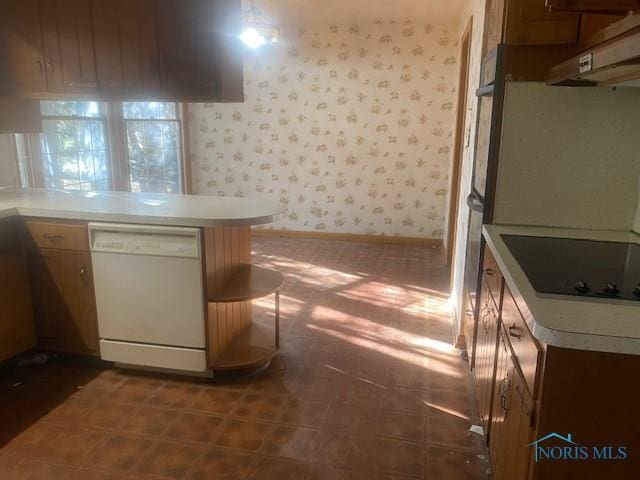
pixel 58 248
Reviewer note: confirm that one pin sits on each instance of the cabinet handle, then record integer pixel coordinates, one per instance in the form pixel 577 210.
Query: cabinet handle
pixel 39 67
pixel 50 67
pixel 53 238
pixel 83 276
pixel 512 332
pixel 489 272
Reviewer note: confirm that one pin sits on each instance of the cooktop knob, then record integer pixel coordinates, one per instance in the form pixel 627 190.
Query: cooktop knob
pixel 636 291
pixel 611 289
pixel 582 288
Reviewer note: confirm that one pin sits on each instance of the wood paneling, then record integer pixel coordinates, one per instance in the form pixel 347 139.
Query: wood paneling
pixel 226 249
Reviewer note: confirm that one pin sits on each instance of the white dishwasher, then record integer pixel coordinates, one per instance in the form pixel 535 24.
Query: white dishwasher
pixel 149 295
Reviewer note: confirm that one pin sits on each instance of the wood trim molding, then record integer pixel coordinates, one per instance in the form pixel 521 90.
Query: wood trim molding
pixel 459 140
pixel 187 185
pixel 350 237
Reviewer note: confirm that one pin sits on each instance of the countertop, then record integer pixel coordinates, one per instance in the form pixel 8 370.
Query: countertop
pixel 567 321
pixel 143 208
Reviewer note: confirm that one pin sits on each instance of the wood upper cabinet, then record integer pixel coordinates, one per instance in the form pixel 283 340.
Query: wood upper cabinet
pixel 126 47
pixel 607 6
pixel 527 22
pixel 21 53
pixel 199 53
pixel 177 50
pixel 68 46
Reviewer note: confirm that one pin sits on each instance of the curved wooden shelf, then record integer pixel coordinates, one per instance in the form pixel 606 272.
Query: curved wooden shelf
pixel 246 283
pixel 251 347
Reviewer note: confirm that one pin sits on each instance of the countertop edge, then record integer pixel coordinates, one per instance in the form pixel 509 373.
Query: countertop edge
pixel 522 290
pixel 141 219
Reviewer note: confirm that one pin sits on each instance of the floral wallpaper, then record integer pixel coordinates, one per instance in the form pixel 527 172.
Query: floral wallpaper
pixel 349 126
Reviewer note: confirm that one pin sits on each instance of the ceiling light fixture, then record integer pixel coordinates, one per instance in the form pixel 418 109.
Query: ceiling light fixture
pixel 257 29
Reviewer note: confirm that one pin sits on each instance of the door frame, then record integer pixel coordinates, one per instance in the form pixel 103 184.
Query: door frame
pixel 459 142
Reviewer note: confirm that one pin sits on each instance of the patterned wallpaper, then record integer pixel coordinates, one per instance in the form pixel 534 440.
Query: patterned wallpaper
pixel 349 126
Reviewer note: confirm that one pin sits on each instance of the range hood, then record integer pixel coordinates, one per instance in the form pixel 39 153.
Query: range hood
pixel 612 60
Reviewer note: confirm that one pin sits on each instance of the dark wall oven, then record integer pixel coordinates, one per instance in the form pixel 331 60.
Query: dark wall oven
pixel 480 199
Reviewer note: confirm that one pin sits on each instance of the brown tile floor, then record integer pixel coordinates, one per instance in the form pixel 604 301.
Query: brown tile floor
pixel 367 386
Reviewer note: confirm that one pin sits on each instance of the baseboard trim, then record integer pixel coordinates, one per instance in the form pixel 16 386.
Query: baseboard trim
pixel 351 237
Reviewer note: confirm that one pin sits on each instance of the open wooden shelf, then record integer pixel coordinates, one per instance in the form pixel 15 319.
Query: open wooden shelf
pixel 246 283
pixel 253 346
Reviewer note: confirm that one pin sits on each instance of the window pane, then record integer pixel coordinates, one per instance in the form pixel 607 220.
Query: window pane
pixel 154 159
pixel 71 109
pixel 74 154
pixel 150 110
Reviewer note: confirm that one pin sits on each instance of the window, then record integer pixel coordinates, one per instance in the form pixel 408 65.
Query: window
pixel 73 146
pixel 87 145
pixel 153 146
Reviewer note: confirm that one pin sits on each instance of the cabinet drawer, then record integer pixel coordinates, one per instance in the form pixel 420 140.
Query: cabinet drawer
pixel 525 348
pixel 61 236
pixel 492 274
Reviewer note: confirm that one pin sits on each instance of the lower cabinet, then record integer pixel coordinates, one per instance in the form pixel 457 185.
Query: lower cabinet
pixel 64 301
pixel 16 315
pixel 511 428
pixel 486 354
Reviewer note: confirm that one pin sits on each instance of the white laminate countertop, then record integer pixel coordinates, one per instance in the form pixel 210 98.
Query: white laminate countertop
pixel 143 208
pixel 568 321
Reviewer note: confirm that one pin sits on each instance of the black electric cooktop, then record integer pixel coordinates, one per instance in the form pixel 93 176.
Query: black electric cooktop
pixel 586 268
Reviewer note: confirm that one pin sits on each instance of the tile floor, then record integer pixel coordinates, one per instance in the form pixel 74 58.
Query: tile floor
pixel 367 386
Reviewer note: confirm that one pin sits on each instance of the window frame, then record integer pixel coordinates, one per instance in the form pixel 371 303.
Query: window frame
pixel 31 158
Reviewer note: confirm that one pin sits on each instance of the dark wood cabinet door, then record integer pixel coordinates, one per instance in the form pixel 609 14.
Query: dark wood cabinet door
pixel 486 353
pixel 530 22
pixel 497 434
pixel 68 46
pixel 64 301
pixel 519 429
pixel 512 419
pixel 199 55
pixel 81 325
pixel 16 314
pixel 126 47
pixel 606 6
pixel 22 66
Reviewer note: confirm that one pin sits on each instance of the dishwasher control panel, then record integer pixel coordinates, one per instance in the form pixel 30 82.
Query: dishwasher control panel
pixel 170 242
